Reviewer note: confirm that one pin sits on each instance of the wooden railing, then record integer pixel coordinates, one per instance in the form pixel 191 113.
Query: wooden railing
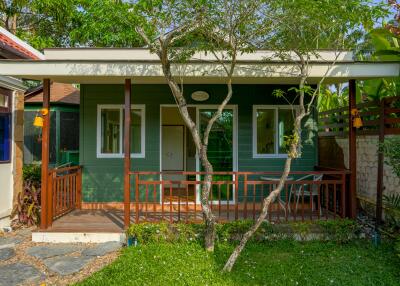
pixel 174 196
pixel 335 122
pixel 65 186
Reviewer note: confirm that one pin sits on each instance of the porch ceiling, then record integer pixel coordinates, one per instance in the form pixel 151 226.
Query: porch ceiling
pixel 104 66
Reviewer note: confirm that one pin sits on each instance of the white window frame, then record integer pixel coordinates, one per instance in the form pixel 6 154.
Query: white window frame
pixel 276 109
pixel 142 109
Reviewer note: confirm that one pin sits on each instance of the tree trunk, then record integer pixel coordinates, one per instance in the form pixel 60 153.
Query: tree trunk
pixel 293 153
pixel 266 203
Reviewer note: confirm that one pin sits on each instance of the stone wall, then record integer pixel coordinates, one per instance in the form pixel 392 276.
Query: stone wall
pixel 367 164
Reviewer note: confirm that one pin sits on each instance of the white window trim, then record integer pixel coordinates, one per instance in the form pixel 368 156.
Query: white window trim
pixel 275 108
pixel 142 109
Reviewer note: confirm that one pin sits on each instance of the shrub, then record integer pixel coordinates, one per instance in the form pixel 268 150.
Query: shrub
pixel 391 150
pixel 32 173
pixel 27 205
pixel 341 231
pixel 164 232
pixel 397 246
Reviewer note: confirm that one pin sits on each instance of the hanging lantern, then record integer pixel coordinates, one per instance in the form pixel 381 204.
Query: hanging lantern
pixel 357 121
pixel 38 121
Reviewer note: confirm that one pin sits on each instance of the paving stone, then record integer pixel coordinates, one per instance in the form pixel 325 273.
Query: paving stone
pixel 66 265
pixel 102 249
pixel 6 253
pixel 11 241
pixel 43 252
pixel 17 273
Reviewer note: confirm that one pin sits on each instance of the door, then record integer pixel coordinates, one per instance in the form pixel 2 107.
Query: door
pixel 173 148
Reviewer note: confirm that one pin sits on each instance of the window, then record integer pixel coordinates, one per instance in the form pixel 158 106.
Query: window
pixel 110 131
pixel 270 126
pixel 5 128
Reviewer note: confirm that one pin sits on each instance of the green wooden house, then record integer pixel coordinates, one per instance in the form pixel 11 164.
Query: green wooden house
pixel 160 178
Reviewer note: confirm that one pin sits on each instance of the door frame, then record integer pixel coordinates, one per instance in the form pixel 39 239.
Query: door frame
pixel 232 107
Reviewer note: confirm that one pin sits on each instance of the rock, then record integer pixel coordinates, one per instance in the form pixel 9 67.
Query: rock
pixel 43 252
pixel 11 241
pixel 6 253
pixel 102 249
pixel 17 273
pixel 66 265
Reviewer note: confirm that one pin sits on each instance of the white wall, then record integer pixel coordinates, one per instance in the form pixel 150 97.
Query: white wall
pixel 7 181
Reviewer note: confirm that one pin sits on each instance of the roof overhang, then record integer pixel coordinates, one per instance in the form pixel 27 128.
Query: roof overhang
pixel 103 66
pixel 12 83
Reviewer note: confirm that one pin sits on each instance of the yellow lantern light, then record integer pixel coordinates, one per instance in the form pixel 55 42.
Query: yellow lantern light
pixel 357 121
pixel 38 121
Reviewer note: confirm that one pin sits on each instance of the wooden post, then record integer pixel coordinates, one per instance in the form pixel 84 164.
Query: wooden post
pixel 379 188
pixel 352 198
pixel 127 152
pixel 45 219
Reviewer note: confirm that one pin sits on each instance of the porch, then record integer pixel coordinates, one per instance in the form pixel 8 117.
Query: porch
pixel 307 196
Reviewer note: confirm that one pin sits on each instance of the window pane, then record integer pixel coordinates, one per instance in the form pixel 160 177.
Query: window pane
pixel 3 100
pixel 110 131
pixel 136 136
pixel 265 131
pixel 285 127
pixel 4 137
pixel 136 123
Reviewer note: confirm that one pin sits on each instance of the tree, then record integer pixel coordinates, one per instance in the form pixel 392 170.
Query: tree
pixel 70 23
pixel 175 30
pixel 306 27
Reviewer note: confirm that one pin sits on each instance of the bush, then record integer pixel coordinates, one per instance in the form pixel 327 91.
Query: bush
pixel 164 232
pixel 32 173
pixel 27 205
pixel 340 231
pixel 397 246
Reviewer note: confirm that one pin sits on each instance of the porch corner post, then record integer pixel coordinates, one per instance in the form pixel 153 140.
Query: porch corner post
pixel 127 152
pixel 352 198
pixel 45 219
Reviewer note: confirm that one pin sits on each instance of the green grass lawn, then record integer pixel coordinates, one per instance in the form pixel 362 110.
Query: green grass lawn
pixel 269 263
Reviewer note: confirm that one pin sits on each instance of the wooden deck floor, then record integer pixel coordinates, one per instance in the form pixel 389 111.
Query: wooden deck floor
pixel 89 221
pixel 112 221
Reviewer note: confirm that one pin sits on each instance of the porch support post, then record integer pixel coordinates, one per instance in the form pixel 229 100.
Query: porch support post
pixel 380 187
pixel 352 198
pixel 127 152
pixel 45 215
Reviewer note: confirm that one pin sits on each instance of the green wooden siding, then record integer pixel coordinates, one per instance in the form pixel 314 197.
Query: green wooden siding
pixel 103 177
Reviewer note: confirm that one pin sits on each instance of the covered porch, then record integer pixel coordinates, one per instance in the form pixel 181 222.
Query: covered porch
pixel 173 196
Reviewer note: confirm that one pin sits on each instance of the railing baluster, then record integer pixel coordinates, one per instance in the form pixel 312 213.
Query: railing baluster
pixel 302 202
pixel 162 199
pixel 270 205
pixel 187 202
pixel 146 202
pixel 179 202
pixel 343 196
pixel 227 199
pixel 326 200
pixel 170 202
pixel 334 201
pixel 236 191
pixel 219 201
pixel 254 202
pixel 311 192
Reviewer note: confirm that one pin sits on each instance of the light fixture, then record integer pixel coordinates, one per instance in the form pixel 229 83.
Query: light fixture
pixel 38 121
pixel 357 121
pixel 200 95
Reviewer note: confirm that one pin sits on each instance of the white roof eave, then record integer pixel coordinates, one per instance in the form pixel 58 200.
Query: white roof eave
pixel 195 72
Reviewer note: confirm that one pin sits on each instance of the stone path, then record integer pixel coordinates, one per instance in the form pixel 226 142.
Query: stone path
pixel 24 262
